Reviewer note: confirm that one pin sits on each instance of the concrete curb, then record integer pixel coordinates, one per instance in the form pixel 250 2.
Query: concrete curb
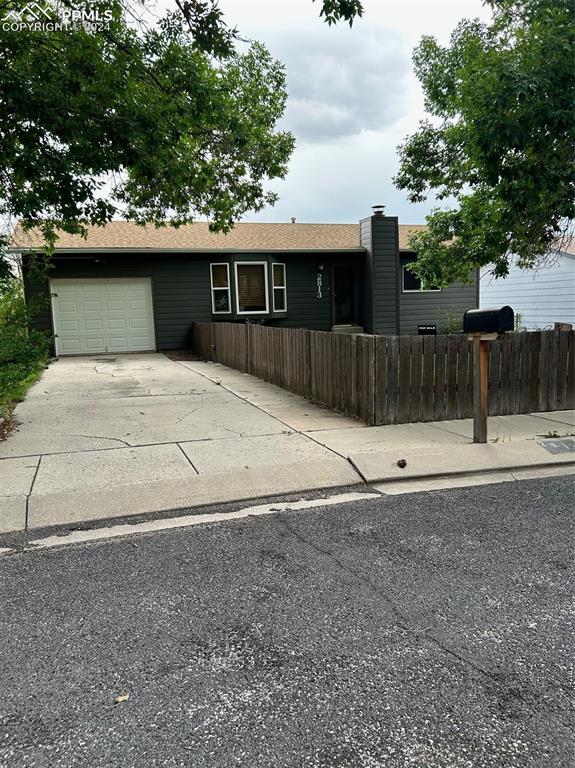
pixel 98 504
pixel 125 500
pixel 456 460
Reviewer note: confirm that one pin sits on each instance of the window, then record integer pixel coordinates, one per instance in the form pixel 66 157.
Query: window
pixel 279 287
pixel 252 287
pixel 411 283
pixel 220 279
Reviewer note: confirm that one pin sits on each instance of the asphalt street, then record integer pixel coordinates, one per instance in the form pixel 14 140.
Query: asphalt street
pixel 430 629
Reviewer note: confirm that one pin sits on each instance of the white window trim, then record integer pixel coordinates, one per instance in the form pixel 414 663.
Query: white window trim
pixel 214 310
pixel 415 290
pixel 265 311
pixel 279 287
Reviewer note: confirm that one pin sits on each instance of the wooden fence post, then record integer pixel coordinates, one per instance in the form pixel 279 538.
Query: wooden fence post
pixel 480 387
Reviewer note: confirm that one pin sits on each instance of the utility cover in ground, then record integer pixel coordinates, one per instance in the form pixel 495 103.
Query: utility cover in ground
pixel 563 445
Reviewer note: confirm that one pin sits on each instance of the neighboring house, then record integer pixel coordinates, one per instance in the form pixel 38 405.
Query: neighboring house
pixel 540 297
pixel 130 288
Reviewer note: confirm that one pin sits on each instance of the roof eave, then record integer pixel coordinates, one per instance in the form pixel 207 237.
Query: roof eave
pixel 33 249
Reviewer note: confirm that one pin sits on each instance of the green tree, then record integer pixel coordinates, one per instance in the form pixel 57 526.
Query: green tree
pixel 183 127
pixel 183 124
pixel 499 142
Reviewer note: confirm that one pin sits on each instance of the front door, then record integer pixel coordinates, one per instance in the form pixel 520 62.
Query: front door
pixel 344 294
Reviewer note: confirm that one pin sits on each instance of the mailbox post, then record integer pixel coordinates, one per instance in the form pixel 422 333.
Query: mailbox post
pixel 480 388
pixel 483 326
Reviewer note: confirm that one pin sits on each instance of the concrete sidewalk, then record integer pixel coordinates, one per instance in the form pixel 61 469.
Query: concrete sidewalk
pixel 113 436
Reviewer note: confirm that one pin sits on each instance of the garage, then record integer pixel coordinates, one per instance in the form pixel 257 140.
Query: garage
pixel 102 315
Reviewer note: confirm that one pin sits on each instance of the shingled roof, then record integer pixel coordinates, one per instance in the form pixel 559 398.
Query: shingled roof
pixel 125 235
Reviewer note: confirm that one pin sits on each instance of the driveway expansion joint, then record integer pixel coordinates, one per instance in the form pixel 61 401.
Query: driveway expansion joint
pixel 291 429
pixel 30 492
pixel 190 462
pixel 358 470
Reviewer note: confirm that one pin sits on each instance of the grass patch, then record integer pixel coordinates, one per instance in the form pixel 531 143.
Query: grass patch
pixel 15 382
pixel 23 354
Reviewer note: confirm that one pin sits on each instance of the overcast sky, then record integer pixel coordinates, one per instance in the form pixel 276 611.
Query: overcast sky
pixel 352 99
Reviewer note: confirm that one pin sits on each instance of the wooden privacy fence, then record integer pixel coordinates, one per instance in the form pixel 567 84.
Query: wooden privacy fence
pixel 398 379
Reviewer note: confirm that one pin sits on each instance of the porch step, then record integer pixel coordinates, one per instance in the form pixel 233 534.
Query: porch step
pixel 347 329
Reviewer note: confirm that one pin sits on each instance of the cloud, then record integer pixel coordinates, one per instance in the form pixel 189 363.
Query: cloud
pixel 340 181
pixel 341 81
pixel 352 99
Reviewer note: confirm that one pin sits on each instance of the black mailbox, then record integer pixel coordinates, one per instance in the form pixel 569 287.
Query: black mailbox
pixel 493 320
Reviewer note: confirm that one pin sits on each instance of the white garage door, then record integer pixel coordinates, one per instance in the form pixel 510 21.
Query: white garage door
pixel 92 316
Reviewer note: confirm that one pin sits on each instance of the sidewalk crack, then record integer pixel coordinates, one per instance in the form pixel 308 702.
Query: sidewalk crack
pixel 185 416
pixel 99 437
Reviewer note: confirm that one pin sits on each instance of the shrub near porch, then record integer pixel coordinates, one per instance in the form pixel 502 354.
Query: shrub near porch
pixel 23 353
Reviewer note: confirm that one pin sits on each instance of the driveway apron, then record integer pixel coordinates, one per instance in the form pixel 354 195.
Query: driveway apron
pixel 92 423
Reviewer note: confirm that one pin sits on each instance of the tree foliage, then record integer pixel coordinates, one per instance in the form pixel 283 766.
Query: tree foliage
pixel 499 141
pixel 338 10
pixel 155 124
pixel 182 123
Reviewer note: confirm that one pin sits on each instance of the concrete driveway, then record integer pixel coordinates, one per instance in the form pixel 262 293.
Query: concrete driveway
pixel 114 436
pixel 135 421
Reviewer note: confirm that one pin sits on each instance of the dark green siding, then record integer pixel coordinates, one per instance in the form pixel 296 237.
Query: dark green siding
pixel 366 298
pixel 305 309
pixel 38 294
pixel 379 235
pixel 385 236
pixel 181 288
pixel 386 309
pixel 434 306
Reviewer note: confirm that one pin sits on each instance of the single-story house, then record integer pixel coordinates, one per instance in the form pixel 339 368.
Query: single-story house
pixel 130 288
pixel 540 297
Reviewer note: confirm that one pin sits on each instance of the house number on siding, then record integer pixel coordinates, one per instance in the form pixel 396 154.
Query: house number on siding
pixel 319 281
